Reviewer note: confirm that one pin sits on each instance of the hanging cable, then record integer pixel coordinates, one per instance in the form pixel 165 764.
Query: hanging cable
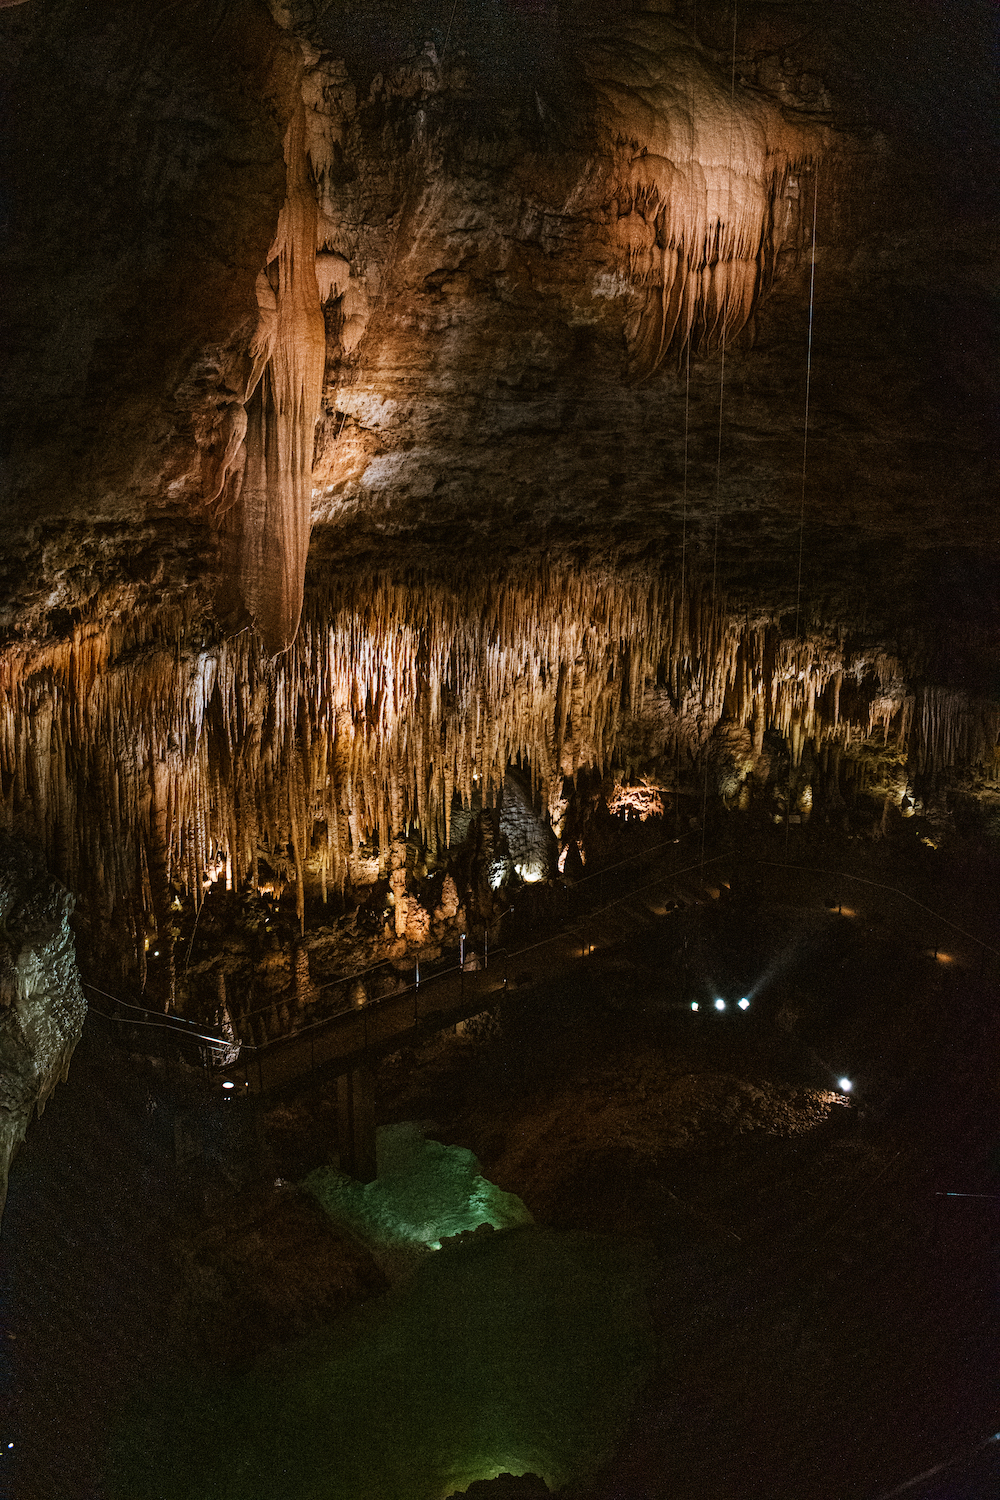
pixel 805 454
pixel 448 33
pixel 683 603
pixel 805 421
pixel 722 390
pixel 684 492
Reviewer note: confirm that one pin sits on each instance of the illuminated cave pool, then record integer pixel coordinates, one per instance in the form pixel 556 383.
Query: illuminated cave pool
pixel 518 1351
pixel 424 1194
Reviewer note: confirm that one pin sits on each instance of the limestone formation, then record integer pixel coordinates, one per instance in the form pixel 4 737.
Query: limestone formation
pixel 41 1001
pixel 599 394
pixel 394 703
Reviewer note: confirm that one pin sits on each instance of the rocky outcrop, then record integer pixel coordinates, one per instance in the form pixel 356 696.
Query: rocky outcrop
pixel 41 1001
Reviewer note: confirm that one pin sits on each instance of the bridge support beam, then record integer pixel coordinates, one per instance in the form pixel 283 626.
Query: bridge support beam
pixel 356 1123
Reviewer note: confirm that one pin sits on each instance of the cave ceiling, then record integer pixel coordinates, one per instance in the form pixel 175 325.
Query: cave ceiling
pixel 311 295
pixel 486 393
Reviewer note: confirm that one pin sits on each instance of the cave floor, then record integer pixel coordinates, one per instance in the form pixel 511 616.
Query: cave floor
pixel 828 1323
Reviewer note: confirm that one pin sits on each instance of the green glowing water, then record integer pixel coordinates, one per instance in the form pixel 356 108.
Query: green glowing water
pixel 519 1351
pixel 424 1193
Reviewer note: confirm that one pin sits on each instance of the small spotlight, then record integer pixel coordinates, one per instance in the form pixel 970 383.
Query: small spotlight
pixel 720 1004
pixel 844 1085
pixel 744 1003
pixel 695 1005
pixel 228 1085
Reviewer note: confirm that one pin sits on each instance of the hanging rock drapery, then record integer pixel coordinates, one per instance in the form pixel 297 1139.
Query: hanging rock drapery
pixel 257 459
pixel 702 185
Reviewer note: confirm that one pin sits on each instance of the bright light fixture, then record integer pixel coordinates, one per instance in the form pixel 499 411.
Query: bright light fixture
pixel 228 1085
pixel 720 1004
pixel 844 1085
pixel 744 1003
pixel 695 1005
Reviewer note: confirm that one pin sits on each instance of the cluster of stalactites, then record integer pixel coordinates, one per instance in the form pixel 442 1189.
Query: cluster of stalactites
pixel 703 189
pixel 701 254
pixel 143 766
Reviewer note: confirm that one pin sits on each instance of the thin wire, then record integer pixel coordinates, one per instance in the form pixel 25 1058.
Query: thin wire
pixel 688 250
pixel 881 886
pixel 949 1463
pixel 805 421
pixel 805 453
pixel 722 392
pixel 684 521
pixel 448 33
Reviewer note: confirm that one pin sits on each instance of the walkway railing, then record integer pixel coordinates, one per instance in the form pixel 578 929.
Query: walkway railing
pixel 438 994
pixel 358 1028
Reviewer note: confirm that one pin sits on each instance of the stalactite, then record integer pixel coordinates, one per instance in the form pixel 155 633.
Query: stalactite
pixel 257 453
pixel 145 766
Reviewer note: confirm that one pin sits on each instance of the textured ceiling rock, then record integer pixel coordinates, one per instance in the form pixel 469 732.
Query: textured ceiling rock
pixel 482 213
pixel 493 282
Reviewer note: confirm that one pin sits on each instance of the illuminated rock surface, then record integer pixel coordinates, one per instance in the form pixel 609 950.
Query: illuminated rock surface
pixel 41 1001
pixel 481 332
pixel 424 1195
pixel 452 250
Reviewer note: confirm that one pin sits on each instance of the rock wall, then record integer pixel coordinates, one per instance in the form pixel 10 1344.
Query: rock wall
pixel 41 1002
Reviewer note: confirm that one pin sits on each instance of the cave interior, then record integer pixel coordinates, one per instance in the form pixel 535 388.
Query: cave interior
pixel 500 749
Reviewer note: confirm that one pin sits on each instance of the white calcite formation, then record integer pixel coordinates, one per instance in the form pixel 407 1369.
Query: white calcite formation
pixel 424 398
pixel 41 1002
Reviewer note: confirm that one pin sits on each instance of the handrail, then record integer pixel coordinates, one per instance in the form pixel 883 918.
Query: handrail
pixel 382 963
pixel 130 1005
pixel 125 1020
pixel 553 937
pixel 160 1022
pixel 880 885
pixel 174 1024
pixel 321 1021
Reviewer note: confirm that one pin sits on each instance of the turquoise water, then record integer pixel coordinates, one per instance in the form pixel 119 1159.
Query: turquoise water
pixel 424 1194
pixel 518 1351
